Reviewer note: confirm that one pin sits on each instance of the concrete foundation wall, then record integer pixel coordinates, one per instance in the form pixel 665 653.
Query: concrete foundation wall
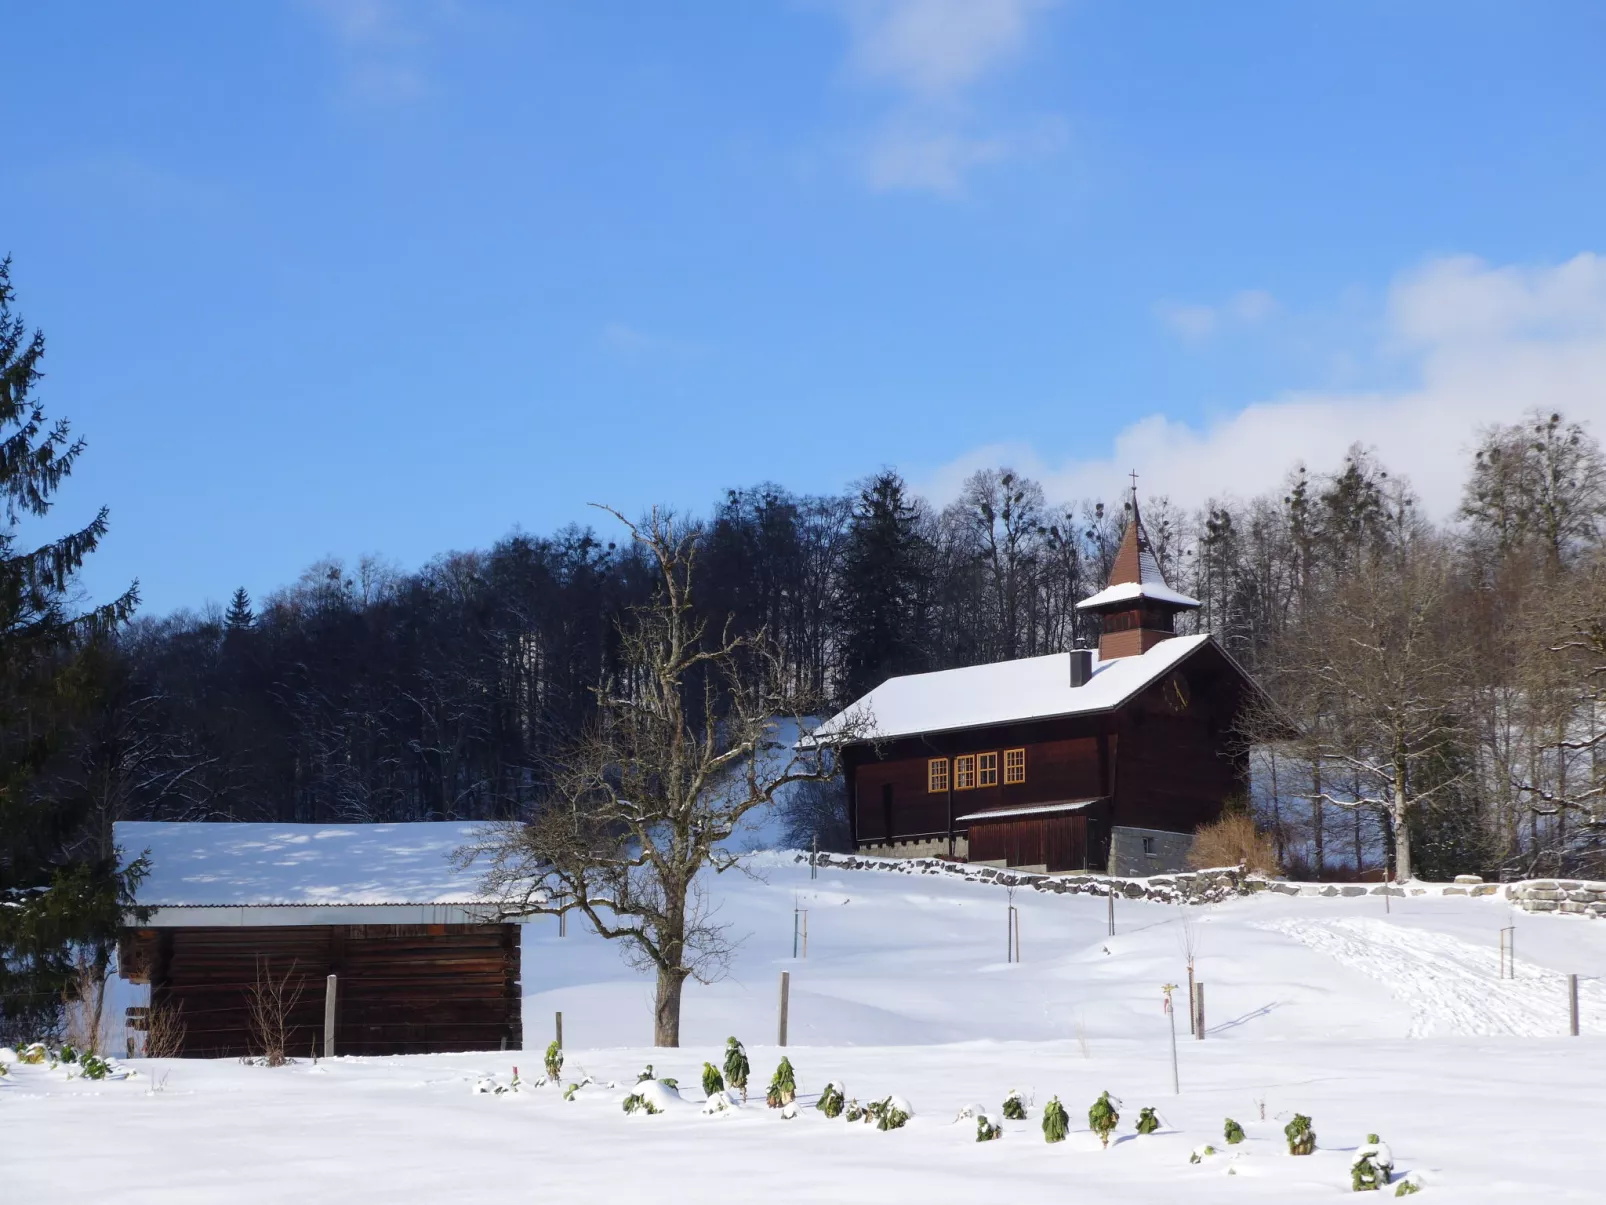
pixel 936 847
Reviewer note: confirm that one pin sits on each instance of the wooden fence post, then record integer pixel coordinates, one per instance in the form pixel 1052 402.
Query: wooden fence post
pixel 1198 1011
pixel 329 1018
pixel 559 1017
pixel 786 991
pixel 1572 1005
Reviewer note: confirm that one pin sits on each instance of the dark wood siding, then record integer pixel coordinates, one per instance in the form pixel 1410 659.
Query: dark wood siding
pixel 402 989
pixel 1057 842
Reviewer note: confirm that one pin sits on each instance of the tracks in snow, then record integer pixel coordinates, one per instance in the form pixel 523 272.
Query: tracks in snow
pixel 1451 985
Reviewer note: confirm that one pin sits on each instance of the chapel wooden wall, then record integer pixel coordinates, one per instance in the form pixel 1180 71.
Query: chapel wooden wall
pixel 401 989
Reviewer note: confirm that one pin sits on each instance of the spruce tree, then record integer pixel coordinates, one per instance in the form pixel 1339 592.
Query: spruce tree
pixel 239 617
pixel 61 887
pixel 883 572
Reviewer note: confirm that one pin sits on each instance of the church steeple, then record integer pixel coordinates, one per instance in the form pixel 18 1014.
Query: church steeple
pixel 1137 609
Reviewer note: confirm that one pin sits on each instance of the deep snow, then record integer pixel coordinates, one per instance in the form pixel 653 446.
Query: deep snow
pixel 1369 1021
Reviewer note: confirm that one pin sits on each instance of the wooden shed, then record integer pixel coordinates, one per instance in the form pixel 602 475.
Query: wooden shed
pixel 421 961
pixel 1103 760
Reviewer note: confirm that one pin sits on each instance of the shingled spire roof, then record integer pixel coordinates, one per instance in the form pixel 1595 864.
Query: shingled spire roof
pixel 1136 573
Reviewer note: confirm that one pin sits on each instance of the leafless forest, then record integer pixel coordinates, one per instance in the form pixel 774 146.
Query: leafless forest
pixel 1445 675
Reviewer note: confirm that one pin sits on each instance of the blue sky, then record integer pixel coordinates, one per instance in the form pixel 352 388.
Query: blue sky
pixel 357 276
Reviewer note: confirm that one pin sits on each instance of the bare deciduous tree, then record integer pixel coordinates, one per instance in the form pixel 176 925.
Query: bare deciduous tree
pixel 687 742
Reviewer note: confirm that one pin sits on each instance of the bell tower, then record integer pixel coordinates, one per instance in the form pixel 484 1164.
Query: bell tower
pixel 1136 609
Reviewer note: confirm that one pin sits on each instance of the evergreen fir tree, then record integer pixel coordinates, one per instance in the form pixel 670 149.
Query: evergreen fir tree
pixel 51 901
pixel 1102 1118
pixel 882 574
pixel 239 617
pixel 1055 1122
pixel 736 1068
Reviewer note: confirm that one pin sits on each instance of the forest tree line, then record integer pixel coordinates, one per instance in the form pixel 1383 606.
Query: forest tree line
pixel 1441 672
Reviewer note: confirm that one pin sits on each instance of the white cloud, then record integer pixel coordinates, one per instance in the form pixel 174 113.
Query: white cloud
pixel 1485 344
pixel 931 54
pixel 1197 323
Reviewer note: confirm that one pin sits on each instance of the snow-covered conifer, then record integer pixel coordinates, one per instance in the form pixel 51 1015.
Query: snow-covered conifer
pixel 1372 1165
pixel 852 1111
pixel 1014 1107
pixel 736 1068
pixel 783 1085
pixel 892 1113
pixel 1232 1132
pixel 1055 1122
pixel 1301 1137
pixel 987 1129
pixel 1102 1118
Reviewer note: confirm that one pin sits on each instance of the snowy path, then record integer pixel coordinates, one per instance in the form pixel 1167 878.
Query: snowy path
pixel 1451 985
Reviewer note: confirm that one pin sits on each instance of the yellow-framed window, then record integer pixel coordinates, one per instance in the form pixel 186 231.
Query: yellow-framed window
pixel 1014 765
pixel 986 769
pixel 937 775
pixel 965 772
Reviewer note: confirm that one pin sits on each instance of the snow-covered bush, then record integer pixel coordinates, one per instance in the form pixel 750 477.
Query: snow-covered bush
pixel 719 1102
pixel 783 1085
pixel 1056 1124
pixel 34 1054
pixel 554 1061
pixel 92 1066
pixel 1102 1118
pixel 890 1113
pixel 1014 1107
pixel 1371 1166
pixel 646 1074
pixel 789 1111
pixel 852 1111
pixel 831 1100
pixel 1148 1123
pixel 713 1081
pixel 1301 1137
pixel 651 1096
pixel 669 1082
pixel 568 1093
pixel 736 1068
pixel 637 1103
pixel 1201 1153
pixel 1232 1132
pixel 987 1129
pixel 1408 1186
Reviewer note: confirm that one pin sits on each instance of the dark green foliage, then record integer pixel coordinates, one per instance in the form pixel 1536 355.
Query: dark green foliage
pixel 92 1066
pixel 1014 1107
pixel 554 1061
pixel 646 1074
pixel 713 1082
pixel 783 1086
pixel 1056 1124
pixel 61 886
pixel 986 1131
pixel 636 1103
pixel 1148 1123
pixel 669 1082
pixel 882 575
pixel 1370 1169
pixel 1301 1137
pixel 239 617
pixel 831 1101
pixel 853 1111
pixel 1232 1132
pixel 736 1068
pixel 886 1114
pixel 1102 1118
pixel 1406 1188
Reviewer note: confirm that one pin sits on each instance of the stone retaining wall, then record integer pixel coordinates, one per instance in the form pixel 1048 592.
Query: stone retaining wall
pixel 1574 897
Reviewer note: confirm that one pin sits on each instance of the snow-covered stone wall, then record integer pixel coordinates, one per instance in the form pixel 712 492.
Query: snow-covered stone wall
pixel 1576 896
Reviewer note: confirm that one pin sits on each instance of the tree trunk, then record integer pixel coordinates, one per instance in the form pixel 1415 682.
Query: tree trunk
pixel 1402 835
pixel 666 1007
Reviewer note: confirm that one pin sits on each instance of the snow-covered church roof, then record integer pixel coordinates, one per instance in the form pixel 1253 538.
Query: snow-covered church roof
pixel 1136 573
pixel 1030 688
pixel 294 865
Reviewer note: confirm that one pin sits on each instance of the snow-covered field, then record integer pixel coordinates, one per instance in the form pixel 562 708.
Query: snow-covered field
pixel 1368 1021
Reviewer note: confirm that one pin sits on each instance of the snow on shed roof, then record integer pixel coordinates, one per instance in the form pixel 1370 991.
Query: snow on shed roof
pixel 207 864
pixel 1031 688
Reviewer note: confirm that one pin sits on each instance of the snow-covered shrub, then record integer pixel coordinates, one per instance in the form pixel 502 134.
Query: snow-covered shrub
pixel 67 1054
pixel 1408 1186
pixel 1301 1137
pixel 669 1082
pixel 1371 1166
pixel 92 1066
pixel 1148 1123
pixel 554 1061
pixel 637 1103
pixel 713 1081
pixel 646 1074
pixel 1056 1124
pixel 783 1086
pixel 1232 1132
pixel 1201 1153
pixel 568 1093
pixel 890 1113
pixel 987 1129
pixel 1102 1117
pixel 34 1054
pixel 736 1068
pixel 719 1102
pixel 789 1111
pixel 1014 1107
pixel 831 1100
pixel 853 1111
pixel 7 1055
